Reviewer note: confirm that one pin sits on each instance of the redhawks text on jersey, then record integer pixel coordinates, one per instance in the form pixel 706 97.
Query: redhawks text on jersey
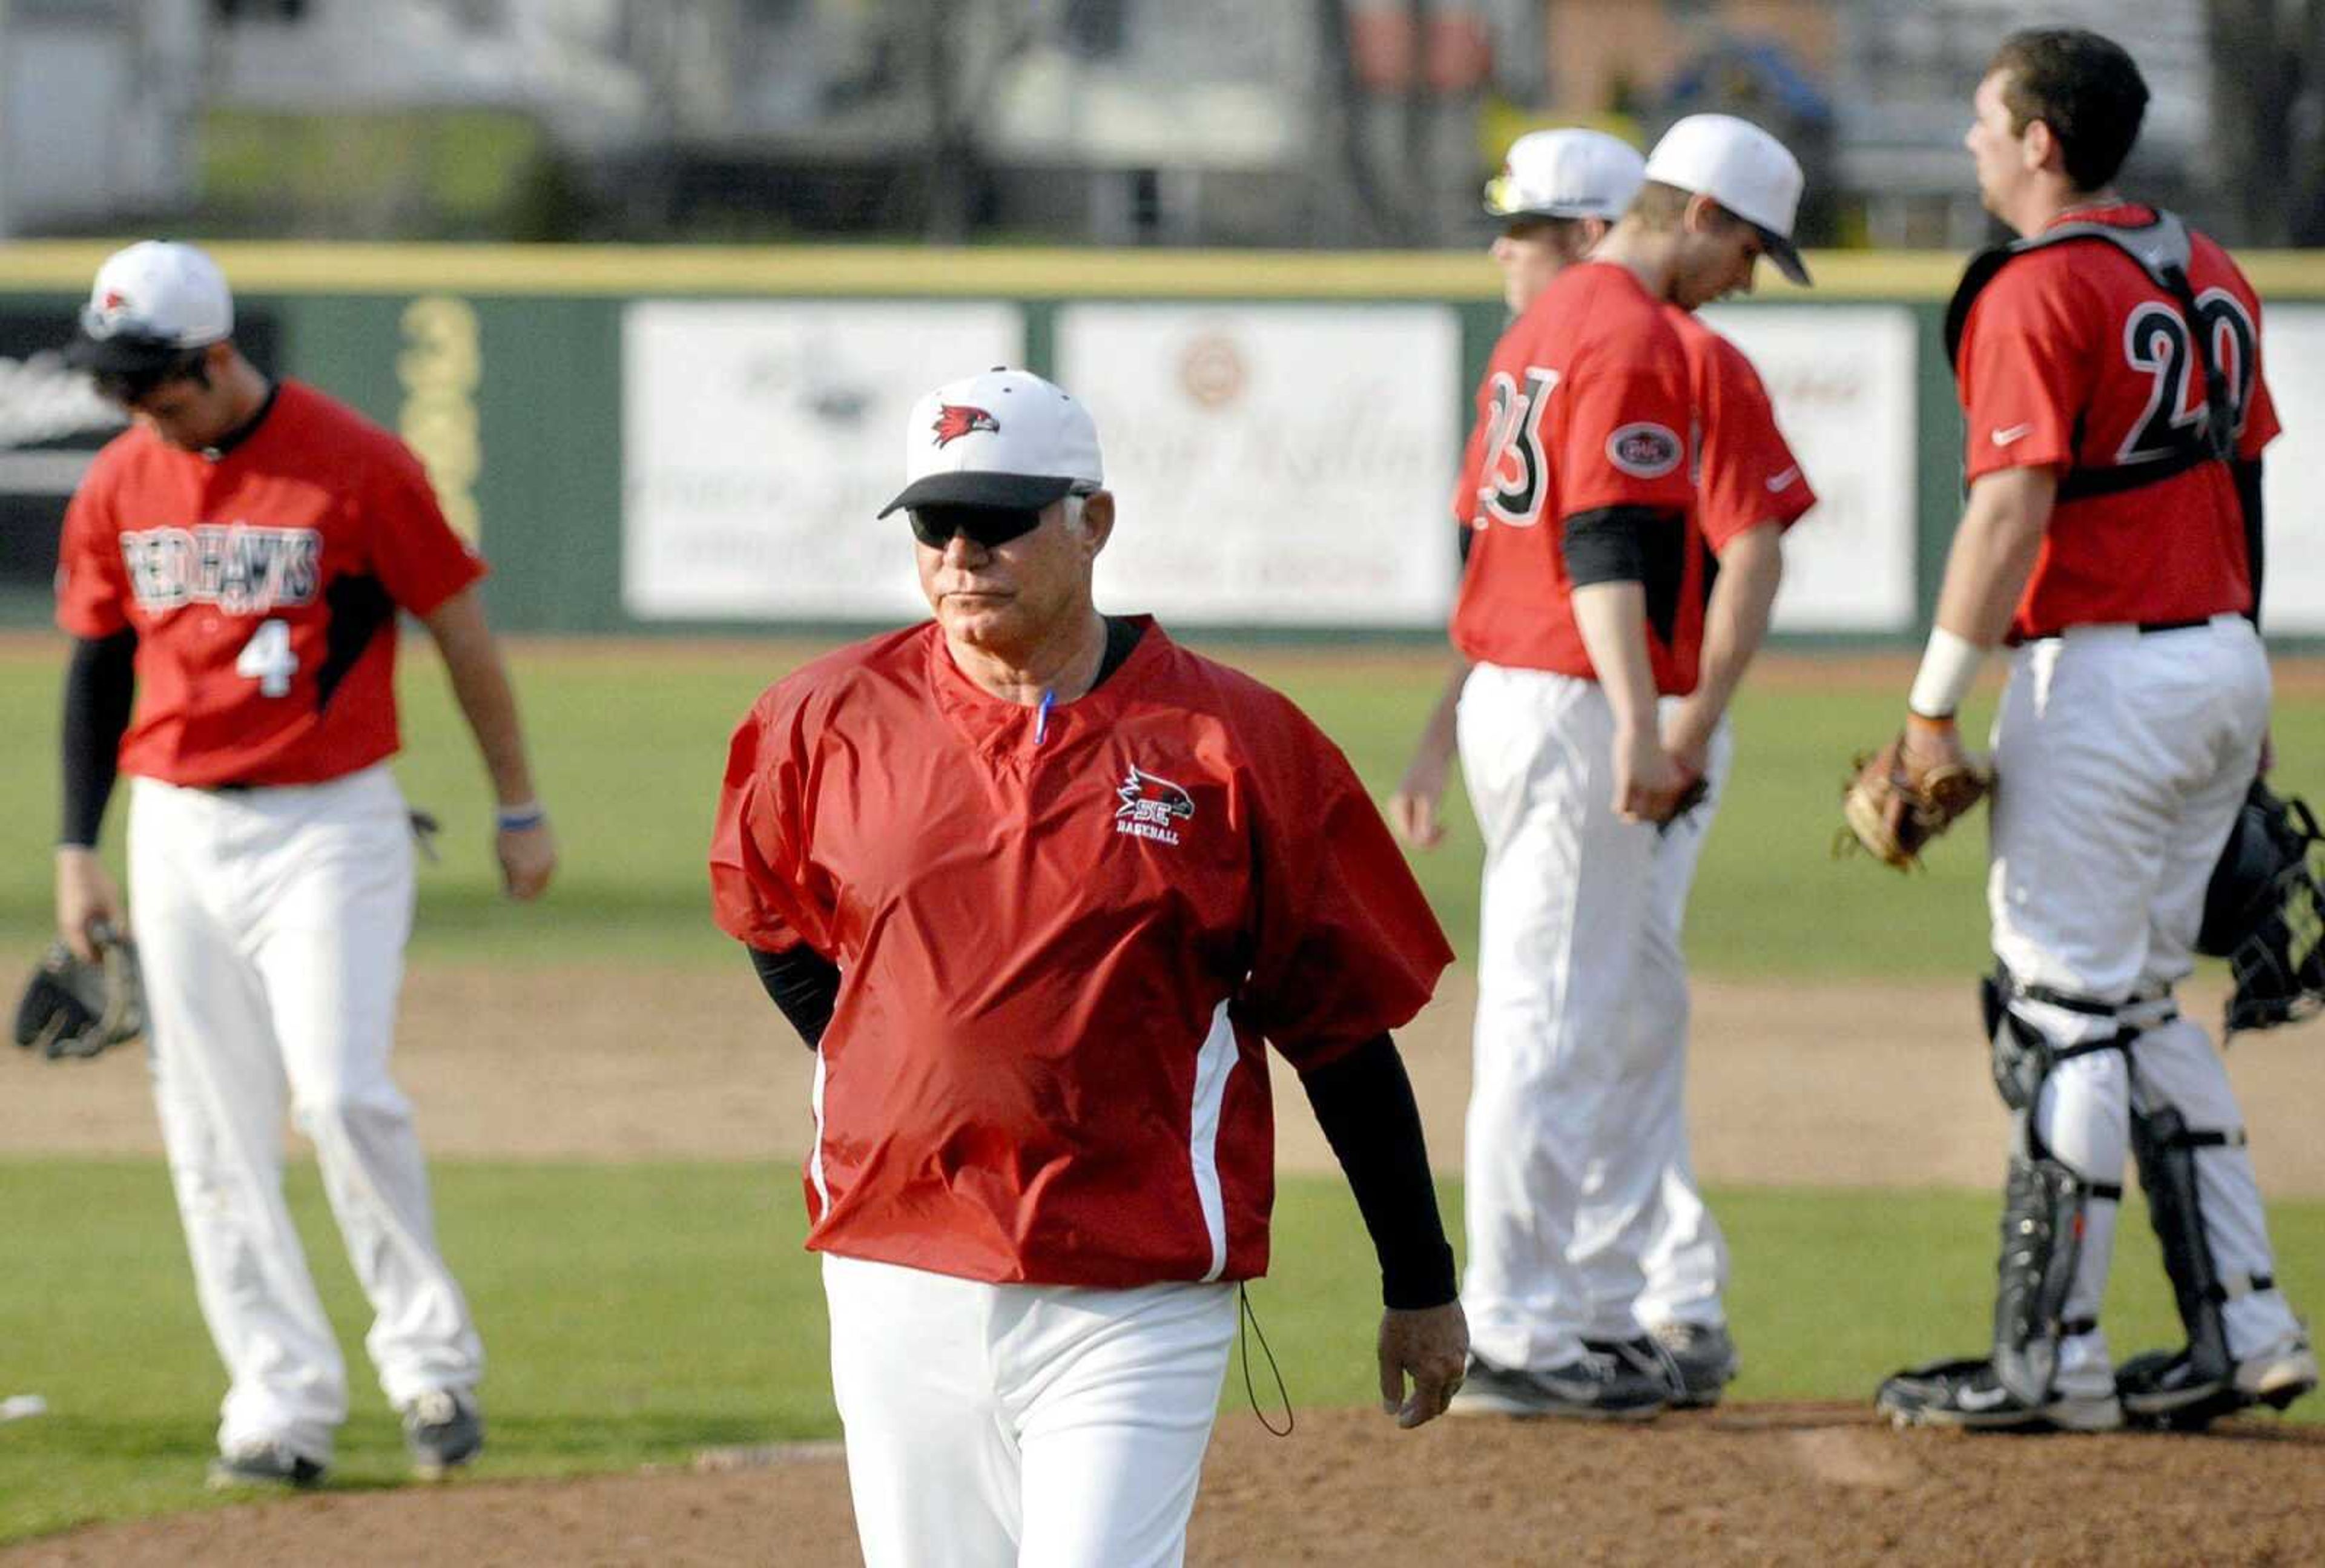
pixel 263 585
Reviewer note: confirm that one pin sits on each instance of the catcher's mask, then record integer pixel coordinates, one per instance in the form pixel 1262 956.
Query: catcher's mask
pixel 2265 913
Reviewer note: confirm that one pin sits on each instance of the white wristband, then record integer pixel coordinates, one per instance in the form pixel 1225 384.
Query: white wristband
pixel 1948 665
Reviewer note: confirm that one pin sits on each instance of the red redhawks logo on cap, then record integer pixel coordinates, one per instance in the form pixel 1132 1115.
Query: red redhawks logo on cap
pixel 955 420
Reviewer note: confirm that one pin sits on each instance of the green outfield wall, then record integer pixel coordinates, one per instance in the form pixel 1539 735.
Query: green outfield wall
pixel 504 369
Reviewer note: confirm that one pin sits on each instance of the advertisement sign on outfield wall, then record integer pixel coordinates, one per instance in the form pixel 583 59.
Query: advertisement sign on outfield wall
pixel 1842 380
pixel 2292 358
pixel 1276 464
pixel 759 439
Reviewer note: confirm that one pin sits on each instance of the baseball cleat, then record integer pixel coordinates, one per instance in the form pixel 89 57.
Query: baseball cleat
pixel 1703 1355
pixel 1969 1395
pixel 2166 1389
pixel 1600 1386
pixel 262 1465
pixel 442 1429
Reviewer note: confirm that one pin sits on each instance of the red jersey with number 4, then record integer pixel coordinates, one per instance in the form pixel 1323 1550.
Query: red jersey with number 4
pixel 1061 943
pixel 2072 357
pixel 263 585
pixel 1584 407
pixel 1745 473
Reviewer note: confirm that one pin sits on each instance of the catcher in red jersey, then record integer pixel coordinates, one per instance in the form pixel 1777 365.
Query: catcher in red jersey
pixel 2110 366
pixel 1595 1272
pixel 231 570
pixel 1038 885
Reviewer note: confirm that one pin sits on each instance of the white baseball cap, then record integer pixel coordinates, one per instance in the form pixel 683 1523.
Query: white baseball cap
pixel 1006 437
pixel 1565 173
pixel 1744 169
pixel 150 303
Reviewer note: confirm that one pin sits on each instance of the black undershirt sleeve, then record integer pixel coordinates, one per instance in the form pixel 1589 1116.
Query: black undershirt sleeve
pixel 804 984
pixel 1363 1102
pixel 2248 473
pixel 100 682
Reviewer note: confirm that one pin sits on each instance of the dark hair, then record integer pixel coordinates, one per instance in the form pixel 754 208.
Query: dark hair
pixel 128 386
pixel 2084 87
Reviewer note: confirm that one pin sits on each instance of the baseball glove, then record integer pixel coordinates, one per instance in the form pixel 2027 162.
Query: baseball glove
pixel 73 1009
pixel 1894 806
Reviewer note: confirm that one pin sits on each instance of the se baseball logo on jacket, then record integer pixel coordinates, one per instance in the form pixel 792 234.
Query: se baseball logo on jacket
pixel 1150 805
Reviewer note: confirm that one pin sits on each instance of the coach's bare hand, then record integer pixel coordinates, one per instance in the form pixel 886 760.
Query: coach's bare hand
pixel 1430 1345
pixel 1412 809
pixel 85 895
pixel 528 860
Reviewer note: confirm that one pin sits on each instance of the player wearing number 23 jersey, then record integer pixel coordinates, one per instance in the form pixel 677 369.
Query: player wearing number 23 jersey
pixel 1583 409
pixel 259 582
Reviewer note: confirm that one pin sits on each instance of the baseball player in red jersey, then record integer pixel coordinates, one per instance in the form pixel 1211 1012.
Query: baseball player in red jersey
pixel 234 563
pixel 1037 883
pixel 1595 1271
pixel 2110 377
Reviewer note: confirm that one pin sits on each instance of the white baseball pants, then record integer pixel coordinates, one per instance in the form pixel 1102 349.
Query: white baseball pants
pixel 1049 1427
pixel 2122 759
pixel 272 925
pixel 1584 1219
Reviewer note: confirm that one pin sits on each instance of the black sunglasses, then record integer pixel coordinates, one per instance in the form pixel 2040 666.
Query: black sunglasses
pixel 987 527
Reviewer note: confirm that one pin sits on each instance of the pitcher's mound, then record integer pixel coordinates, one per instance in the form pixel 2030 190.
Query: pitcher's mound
pixel 1764 1483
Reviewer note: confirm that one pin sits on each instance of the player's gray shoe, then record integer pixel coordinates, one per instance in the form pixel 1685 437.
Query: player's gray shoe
pixel 262 1465
pixel 2167 1388
pixel 442 1429
pixel 1970 1394
pixel 1600 1386
pixel 1703 1355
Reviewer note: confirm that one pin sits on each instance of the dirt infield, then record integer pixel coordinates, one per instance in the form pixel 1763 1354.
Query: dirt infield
pixel 1792 1085
pixel 1770 1484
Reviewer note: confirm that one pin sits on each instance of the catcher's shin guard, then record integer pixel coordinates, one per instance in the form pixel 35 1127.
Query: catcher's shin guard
pixel 2164 1148
pixel 2042 1209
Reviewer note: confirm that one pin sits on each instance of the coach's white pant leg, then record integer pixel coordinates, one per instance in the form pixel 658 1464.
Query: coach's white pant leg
pixel 1113 1394
pixel 219 1088
pixel 1686 1257
pixel 933 1462
pixel 1040 1425
pixel 331 948
pixel 1550 1177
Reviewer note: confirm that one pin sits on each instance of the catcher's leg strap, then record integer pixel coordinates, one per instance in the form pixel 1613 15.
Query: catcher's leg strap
pixel 2023 1056
pixel 2043 1205
pixel 2164 1148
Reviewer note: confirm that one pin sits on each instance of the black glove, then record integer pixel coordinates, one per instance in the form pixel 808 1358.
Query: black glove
pixel 75 1009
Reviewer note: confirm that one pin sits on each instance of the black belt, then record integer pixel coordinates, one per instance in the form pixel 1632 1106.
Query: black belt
pixel 2144 627
pixel 234 787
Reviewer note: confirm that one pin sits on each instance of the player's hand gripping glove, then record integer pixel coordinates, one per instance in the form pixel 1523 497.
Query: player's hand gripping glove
pixel 73 1009
pixel 1906 794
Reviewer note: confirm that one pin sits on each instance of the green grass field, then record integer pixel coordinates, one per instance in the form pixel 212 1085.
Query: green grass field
pixel 636 1313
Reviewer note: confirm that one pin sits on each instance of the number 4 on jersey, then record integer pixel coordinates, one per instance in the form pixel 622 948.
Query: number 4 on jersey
pixel 268 659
